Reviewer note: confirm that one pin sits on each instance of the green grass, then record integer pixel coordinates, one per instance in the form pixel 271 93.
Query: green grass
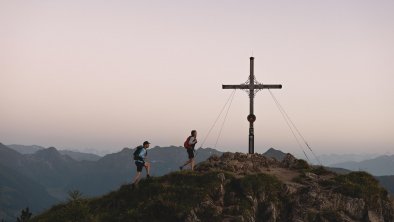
pixel 355 184
pixel 358 185
pixel 319 171
pixel 167 198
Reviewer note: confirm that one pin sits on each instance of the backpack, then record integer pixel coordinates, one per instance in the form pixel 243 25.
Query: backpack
pixel 186 143
pixel 137 152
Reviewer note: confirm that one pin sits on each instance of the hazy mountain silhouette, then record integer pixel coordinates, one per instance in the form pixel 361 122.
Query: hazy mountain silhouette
pixel 76 155
pixel 18 191
pixel 387 182
pixel 56 174
pixel 331 159
pixel 80 156
pixel 23 149
pixel 379 166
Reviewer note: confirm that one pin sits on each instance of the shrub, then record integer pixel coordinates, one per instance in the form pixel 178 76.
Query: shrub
pixel 320 170
pixel 360 185
pixel 301 164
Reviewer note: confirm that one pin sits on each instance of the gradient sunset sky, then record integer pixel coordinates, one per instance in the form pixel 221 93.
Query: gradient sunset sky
pixel 110 74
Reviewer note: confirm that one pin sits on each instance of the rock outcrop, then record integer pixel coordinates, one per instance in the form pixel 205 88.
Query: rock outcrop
pixel 304 193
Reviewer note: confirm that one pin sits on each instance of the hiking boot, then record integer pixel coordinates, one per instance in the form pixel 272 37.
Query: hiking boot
pixel 147 176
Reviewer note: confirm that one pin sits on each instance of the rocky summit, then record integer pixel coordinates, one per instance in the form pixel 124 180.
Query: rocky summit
pixel 238 187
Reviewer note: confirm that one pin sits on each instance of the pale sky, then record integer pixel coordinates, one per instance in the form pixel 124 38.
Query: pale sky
pixel 110 74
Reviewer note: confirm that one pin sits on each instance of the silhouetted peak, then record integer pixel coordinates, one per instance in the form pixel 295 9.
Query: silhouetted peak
pixel 126 149
pixel 272 149
pixel 274 153
pixel 50 152
pixel 2 146
pixel 6 149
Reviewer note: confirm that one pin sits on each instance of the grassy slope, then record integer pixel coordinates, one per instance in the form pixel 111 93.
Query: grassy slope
pixel 167 198
pixel 172 197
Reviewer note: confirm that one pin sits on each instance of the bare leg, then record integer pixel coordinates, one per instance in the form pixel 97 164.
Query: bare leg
pixel 147 168
pixel 192 162
pixel 187 163
pixel 137 178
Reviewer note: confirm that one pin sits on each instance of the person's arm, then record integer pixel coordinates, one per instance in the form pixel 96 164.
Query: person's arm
pixel 142 154
pixel 192 140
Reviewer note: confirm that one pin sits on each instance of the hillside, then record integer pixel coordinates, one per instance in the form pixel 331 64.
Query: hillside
pixel 18 191
pixel 238 187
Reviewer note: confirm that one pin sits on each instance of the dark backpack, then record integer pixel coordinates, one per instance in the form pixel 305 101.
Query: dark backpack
pixel 137 152
pixel 186 143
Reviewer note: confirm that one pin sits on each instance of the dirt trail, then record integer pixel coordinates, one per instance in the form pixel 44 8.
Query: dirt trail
pixel 284 175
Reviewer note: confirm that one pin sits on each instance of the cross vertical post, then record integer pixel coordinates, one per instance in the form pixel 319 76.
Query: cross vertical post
pixel 252 86
pixel 251 106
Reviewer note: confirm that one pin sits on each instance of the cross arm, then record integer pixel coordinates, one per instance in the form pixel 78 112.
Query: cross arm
pixel 235 87
pixel 257 86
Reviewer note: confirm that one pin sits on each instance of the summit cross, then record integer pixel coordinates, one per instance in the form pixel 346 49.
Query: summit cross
pixel 252 86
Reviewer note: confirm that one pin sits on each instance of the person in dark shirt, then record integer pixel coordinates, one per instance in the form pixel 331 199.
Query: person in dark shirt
pixel 190 143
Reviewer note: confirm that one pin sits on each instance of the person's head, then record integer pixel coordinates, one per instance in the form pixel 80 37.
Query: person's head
pixel 146 144
pixel 194 133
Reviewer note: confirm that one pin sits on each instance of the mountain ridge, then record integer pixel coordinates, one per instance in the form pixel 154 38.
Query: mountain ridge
pixel 379 166
pixel 76 155
pixel 25 149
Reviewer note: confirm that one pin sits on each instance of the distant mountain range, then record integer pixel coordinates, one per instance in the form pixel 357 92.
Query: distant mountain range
pixel 41 178
pixel 331 159
pixel 79 156
pixel 18 191
pixel 379 166
pixel 23 149
pixel 76 155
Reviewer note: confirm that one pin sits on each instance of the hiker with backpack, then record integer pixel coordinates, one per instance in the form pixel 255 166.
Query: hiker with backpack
pixel 140 154
pixel 189 144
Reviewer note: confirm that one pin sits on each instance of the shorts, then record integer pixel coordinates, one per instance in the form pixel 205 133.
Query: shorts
pixel 190 153
pixel 139 165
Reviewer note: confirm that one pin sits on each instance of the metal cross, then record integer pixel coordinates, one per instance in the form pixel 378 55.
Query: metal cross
pixel 252 86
